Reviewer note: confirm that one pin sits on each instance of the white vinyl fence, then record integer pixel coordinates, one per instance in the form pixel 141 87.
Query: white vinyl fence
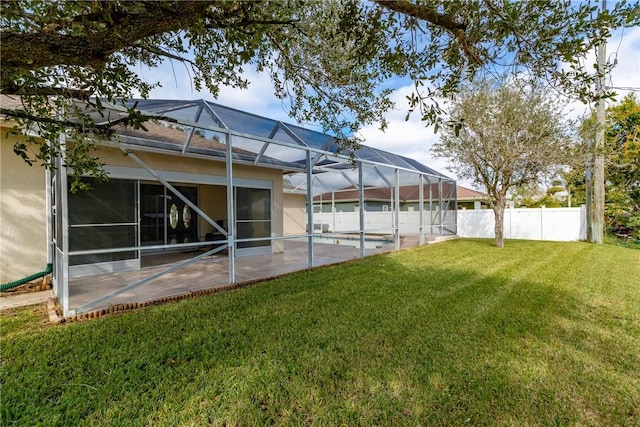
pixel 383 222
pixel 559 224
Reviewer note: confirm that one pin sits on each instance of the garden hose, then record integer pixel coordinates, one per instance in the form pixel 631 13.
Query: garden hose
pixel 27 279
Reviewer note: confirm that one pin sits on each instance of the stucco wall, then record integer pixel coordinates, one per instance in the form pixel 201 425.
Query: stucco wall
pixel 295 214
pixel 23 247
pixel 213 201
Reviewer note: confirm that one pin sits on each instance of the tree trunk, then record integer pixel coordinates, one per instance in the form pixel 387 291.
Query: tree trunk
pixel 498 212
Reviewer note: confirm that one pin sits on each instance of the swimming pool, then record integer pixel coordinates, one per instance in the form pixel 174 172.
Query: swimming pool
pixel 369 243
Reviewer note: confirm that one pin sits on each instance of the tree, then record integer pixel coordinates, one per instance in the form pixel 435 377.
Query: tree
pixel 328 60
pixel 503 136
pixel 532 195
pixel 622 170
pixel 622 163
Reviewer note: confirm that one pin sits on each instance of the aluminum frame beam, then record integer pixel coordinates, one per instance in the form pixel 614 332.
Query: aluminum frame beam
pixel 397 208
pixel 361 209
pixel 421 210
pixel 226 130
pixel 231 214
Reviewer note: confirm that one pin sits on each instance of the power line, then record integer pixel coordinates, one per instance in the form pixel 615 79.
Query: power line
pixel 631 88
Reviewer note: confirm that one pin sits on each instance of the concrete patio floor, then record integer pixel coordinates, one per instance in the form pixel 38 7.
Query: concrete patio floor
pixel 208 273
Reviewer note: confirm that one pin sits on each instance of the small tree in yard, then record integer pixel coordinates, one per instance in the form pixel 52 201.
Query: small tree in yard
pixel 504 136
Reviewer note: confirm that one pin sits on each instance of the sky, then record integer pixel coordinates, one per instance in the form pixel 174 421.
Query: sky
pixel 408 138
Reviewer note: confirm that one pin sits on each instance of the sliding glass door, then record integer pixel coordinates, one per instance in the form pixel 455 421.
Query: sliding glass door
pixel 165 218
pixel 253 219
pixel 103 218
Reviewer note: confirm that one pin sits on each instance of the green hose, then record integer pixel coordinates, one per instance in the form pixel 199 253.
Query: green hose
pixel 27 279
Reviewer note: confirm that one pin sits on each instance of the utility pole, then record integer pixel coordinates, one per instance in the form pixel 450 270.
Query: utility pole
pixel 588 180
pixel 598 168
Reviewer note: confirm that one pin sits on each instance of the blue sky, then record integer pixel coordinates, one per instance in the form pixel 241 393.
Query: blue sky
pixel 408 138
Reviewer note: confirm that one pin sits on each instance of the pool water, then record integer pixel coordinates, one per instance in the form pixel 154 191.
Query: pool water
pixel 352 242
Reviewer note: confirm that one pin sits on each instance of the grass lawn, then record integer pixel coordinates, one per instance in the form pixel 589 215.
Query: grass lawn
pixel 456 333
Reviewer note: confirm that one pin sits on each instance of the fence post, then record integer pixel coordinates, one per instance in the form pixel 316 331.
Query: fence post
pixel 542 213
pixel 583 222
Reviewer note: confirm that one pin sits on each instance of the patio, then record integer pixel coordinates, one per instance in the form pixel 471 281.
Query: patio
pixel 210 272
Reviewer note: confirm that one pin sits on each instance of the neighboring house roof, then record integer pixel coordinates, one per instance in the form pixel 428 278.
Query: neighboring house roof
pixel 408 193
pixel 467 194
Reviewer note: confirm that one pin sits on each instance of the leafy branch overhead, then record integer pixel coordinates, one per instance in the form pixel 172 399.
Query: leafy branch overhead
pixel 330 62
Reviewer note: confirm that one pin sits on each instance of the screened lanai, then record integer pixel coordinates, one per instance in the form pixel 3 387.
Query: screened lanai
pixel 209 196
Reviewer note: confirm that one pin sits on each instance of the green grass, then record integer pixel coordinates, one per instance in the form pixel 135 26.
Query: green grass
pixel 612 239
pixel 450 334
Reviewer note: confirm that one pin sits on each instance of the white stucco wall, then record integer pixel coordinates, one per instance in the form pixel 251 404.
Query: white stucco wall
pixel 23 246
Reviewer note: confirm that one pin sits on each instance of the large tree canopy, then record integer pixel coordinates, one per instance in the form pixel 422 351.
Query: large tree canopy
pixel 328 61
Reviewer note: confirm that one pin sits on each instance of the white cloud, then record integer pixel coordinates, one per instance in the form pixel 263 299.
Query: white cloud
pixel 624 47
pixel 176 83
pixel 410 138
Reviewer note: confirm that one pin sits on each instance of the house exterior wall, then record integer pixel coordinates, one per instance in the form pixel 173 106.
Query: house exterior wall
pixel 23 216
pixel 295 213
pixel 23 232
pixel 212 199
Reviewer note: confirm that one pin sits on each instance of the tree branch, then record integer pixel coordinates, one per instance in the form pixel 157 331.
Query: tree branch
pixel 247 23
pixel 430 15
pixel 96 44
pixel 160 52
pixel 99 128
pixel 10 89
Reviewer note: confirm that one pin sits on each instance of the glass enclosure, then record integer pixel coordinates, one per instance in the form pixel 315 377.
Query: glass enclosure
pixel 269 199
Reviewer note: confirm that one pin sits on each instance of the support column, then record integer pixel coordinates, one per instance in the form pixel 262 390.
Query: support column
pixel 421 210
pixel 231 214
pixel 63 209
pixel 361 201
pixel 397 209
pixel 309 210
pixel 441 205
pixel 333 211
pixel 430 208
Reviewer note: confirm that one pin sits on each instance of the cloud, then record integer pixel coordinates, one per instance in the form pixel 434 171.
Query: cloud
pixel 176 83
pixel 410 138
pixel 623 50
